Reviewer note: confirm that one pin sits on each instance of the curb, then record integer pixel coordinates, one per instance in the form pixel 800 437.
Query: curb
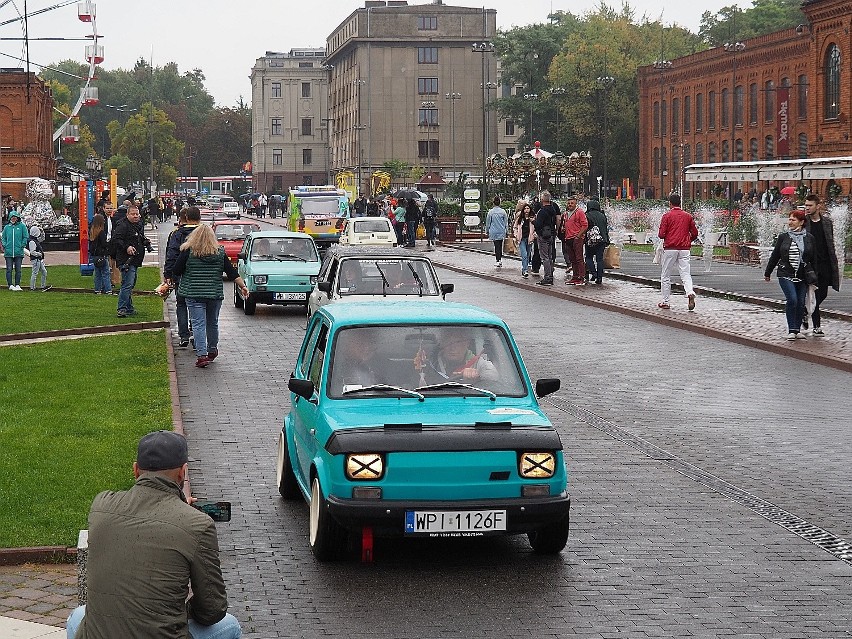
pixel 177 416
pixel 37 555
pixel 60 289
pixel 86 330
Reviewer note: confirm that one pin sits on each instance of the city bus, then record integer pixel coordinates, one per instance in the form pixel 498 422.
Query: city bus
pixel 319 211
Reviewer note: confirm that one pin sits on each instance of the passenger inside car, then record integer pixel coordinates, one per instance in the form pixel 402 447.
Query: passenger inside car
pixel 355 362
pixel 458 358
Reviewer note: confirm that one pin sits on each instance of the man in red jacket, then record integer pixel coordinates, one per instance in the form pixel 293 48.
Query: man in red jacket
pixel 677 231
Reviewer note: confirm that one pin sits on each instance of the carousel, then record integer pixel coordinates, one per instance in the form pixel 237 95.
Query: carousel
pixel 533 170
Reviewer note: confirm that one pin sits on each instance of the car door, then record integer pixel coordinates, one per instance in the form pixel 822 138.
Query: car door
pixel 306 412
pixel 242 262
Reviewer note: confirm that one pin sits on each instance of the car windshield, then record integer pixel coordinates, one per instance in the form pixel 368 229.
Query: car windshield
pixel 233 232
pixel 284 249
pixel 371 276
pixel 430 359
pixel 375 225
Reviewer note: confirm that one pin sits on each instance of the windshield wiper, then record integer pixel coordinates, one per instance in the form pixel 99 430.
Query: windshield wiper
pixel 441 385
pixel 385 282
pixel 416 278
pixel 292 257
pixel 386 388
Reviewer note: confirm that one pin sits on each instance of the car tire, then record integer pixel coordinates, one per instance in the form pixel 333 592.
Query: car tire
pixel 550 539
pixel 238 301
pixel 249 306
pixel 288 487
pixel 326 536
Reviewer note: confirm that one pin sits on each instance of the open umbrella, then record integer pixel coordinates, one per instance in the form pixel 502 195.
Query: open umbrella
pixel 788 190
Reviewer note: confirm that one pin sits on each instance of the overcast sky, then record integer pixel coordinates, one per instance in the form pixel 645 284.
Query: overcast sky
pixel 224 38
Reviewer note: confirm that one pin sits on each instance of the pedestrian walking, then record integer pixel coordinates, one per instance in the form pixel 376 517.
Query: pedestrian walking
pixel 15 238
pixel 497 226
pixel 430 217
pixel 572 231
pixel 597 239
pixel 524 236
pixel 545 230
pixel 188 221
pixel 792 254
pixel 36 251
pixel 677 231
pixel 200 265
pixel 412 221
pixel 99 254
pixel 819 224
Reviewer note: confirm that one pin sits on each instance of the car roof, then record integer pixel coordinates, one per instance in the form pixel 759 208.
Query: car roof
pixel 277 233
pixel 372 250
pixel 408 312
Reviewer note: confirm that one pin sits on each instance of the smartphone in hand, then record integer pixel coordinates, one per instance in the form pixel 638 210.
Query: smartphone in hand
pixel 218 510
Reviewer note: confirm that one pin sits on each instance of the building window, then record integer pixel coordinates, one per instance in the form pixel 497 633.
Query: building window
pixel 656 161
pixel 427 148
pixel 277 157
pixel 305 65
pixel 687 114
pixel 278 183
pixel 752 103
pixel 753 150
pixel 276 63
pixel 675 116
pixel 427 86
pixel 505 89
pixel 663 163
pixel 726 113
pixel 306 89
pixel 832 83
pixel 769 101
pixel 427 55
pixel 510 151
pixel 427 23
pixel 725 151
pixel 676 160
pixel 802 102
pixel 738 150
pixel 510 127
pixel 699 153
pixel 307 157
pixel 656 120
pixel 687 155
pixel 427 117
pixel 276 126
pixel 711 152
pixel 664 114
pixel 276 89
pixel 711 110
pixel 769 148
pixel 739 105
pixel 699 112
pixel 803 145
pixel 307 126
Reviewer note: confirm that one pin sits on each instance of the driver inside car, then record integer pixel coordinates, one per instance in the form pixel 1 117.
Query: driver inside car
pixel 456 360
pixel 260 249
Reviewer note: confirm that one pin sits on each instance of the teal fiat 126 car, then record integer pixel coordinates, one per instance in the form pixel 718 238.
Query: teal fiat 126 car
pixel 418 419
pixel 278 267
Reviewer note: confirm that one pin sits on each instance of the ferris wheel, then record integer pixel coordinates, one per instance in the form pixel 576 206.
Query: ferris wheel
pixel 67 132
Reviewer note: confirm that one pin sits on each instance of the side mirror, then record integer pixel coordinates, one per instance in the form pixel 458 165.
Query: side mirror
pixel 447 288
pixel 547 386
pixel 325 287
pixel 301 387
pixel 242 256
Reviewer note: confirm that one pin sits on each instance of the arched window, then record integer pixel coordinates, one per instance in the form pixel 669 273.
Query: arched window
pixel 752 103
pixel 664 114
pixel 769 146
pixel 711 110
pixel 739 100
pixel 687 155
pixel 687 112
pixel 699 153
pixel 656 161
pixel 699 111
pixel 711 152
pixel 769 101
pixel 832 83
pixel 725 110
pixel 675 116
pixel 725 151
pixel 738 151
pixel 802 102
pixel 803 145
pixel 753 149
pixel 663 163
pixel 656 119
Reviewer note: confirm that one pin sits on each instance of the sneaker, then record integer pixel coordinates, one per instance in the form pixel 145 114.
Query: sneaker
pixel 524 274
pixel 545 282
pixel 663 305
pixel 202 361
pixel 801 336
pixel 691 303
pixel 183 343
pixel 46 288
pixel 122 314
pixel 16 288
pixel 212 353
pixel 791 336
pixel 499 265
pixel 818 332
pixel 580 283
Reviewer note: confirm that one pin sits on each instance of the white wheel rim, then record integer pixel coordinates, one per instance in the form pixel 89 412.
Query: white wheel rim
pixel 315 498
pixel 279 472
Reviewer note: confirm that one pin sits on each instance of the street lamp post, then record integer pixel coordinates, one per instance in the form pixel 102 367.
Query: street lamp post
pixel 358 128
pixel 605 82
pixel 733 48
pixel 558 92
pixel 531 97
pixel 452 97
pixel 484 48
pixel 661 65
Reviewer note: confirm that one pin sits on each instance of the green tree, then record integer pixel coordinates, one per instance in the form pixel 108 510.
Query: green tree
pixel 397 168
pixel 731 23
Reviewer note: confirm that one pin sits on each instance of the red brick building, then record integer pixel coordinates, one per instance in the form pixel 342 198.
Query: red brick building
pixel 778 96
pixel 26 130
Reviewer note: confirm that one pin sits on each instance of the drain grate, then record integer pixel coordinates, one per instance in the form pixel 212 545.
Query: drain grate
pixel 829 542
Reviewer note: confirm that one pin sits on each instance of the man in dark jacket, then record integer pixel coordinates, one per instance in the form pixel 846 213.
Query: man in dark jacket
pixel 147 546
pixel 545 230
pixel 597 239
pixel 825 259
pixel 129 244
pixel 192 215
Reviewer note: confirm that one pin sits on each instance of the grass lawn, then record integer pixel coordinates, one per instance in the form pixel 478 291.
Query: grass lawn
pixel 70 418
pixel 65 276
pixel 36 311
pixel 718 251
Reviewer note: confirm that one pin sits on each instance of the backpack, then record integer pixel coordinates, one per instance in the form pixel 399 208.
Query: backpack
pixel 593 236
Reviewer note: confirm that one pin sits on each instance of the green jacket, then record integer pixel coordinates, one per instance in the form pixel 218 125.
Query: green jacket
pixel 146 546
pixel 15 237
pixel 399 214
pixel 202 278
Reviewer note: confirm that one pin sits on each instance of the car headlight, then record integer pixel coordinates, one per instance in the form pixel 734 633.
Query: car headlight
pixel 314 279
pixel 537 465
pixel 365 466
pixel 260 279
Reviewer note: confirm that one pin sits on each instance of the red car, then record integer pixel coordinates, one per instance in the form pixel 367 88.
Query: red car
pixel 231 235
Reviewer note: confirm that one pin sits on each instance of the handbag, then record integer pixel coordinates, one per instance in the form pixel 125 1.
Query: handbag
pixel 810 274
pixel 612 256
pixel 100 262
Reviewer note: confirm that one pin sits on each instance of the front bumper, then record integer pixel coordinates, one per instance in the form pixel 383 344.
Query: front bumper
pixel 387 518
pixel 266 297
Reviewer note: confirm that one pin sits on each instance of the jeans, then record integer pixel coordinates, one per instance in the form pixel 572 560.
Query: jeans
pixel 205 324
pixel 524 251
pixel 535 260
pixel 412 234
pixel 128 281
pixel 14 262
pixel 498 250
pixel 400 236
pixel 795 292
pixel 545 249
pixel 38 268
pixel 182 317
pixel 227 628
pixel 430 231
pixel 103 283
pixel 594 261
pixel 670 259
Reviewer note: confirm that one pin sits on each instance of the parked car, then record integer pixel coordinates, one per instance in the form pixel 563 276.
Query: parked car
pixel 232 235
pixel 231 209
pixel 368 230
pixel 278 267
pixel 358 273
pixel 418 419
